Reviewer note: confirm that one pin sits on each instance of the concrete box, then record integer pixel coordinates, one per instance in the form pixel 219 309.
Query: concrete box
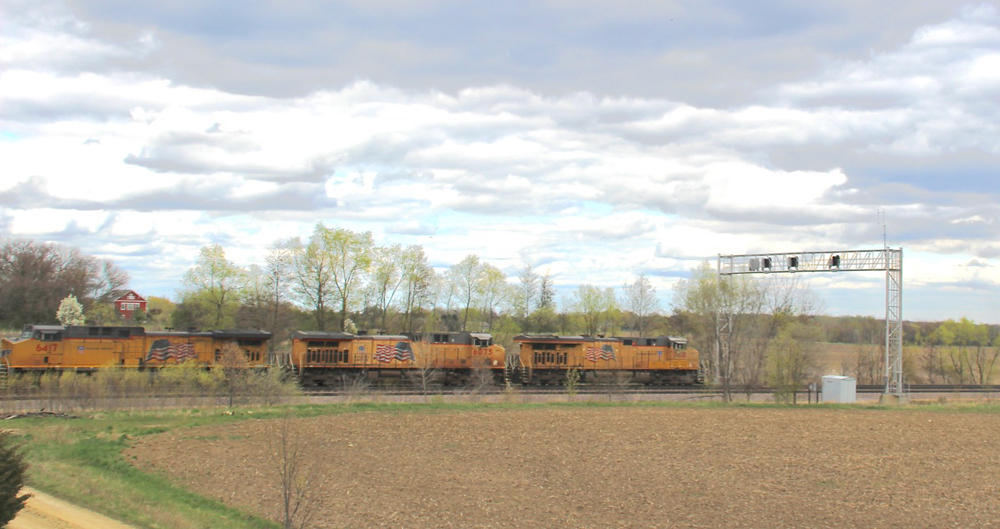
pixel 839 389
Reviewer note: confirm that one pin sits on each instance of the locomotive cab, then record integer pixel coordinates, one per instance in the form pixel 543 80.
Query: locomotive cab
pixel 459 354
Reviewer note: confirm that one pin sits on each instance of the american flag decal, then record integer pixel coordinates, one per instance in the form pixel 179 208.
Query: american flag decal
pixel 388 353
pixel 163 350
pixel 604 352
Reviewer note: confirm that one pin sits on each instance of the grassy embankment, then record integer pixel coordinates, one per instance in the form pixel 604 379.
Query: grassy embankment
pixel 81 460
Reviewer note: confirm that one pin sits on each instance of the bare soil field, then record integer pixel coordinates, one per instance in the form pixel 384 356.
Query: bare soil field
pixel 608 467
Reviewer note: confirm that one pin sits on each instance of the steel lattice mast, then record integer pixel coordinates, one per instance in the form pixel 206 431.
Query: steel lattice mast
pixel 888 260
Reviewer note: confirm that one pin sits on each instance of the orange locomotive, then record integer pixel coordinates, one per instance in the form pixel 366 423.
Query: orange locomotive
pixel 329 358
pixel 545 359
pixel 48 347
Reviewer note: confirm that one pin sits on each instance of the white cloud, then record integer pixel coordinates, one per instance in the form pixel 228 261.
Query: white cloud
pixel 587 184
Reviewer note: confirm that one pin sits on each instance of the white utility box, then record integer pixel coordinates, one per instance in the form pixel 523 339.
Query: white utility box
pixel 839 389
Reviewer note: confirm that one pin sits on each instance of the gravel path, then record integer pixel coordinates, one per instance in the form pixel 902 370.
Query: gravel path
pixel 42 511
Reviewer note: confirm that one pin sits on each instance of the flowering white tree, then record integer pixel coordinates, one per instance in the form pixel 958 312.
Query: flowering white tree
pixel 70 311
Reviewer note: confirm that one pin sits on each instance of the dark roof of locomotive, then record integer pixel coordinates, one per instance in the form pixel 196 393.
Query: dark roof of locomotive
pixel 543 338
pixel 87 331
pixel 252 334
pixel 240 333
pixel 461 337
pixel 107 331
pixel 658 341
pixel 323 335
pixel 562 338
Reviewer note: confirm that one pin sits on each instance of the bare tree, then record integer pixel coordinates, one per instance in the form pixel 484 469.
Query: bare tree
pixel 869 363
pixel 785 301
pixel 480 378
pixel 527 290
pixel 425 373
pixel 256 299
pixel 35 277
pixel 640 299
pixel 235 369
pixel 737 300
pixel 279 270
pixel 617 383
pixel 296 477
pixel 107 279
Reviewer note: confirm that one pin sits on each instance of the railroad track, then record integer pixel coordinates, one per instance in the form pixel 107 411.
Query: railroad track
pixel 637 390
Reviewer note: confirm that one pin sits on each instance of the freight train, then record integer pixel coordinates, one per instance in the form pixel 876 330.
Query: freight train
pixel 79 348
pixel 545 359
pixel 453 358
pixel 334 358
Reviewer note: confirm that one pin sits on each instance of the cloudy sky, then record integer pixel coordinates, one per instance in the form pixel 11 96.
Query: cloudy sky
pixel 594 140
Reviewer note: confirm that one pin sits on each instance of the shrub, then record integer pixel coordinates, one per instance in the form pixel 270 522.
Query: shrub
pixel 12 469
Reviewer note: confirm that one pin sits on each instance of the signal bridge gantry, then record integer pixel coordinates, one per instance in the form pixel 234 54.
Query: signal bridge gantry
pixel 888 260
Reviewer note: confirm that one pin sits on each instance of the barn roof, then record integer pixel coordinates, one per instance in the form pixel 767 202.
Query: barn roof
pixel 118 295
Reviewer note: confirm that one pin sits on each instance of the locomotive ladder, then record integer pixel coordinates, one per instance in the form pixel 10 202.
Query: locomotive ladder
pixel 3 374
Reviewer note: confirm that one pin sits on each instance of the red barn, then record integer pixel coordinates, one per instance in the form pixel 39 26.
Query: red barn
pixel 127 302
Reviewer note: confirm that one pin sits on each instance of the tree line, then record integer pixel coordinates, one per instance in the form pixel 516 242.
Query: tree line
pixel 36 277
pixel 754 331
pixel 340 280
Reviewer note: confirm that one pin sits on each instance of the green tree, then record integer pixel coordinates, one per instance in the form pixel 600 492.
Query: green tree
pixel 418 281
pixel 313 275
pixel 387 278
pixel 589 302
pixel 467 278
pixel 195 310
pixel 101 314
pixel 158 312
pixel 495 292
pixel 350 257
pixel 970 353
pixel 611 312
pixel 217 282
pixel 12 471
pixel 791 360
pixel 546 292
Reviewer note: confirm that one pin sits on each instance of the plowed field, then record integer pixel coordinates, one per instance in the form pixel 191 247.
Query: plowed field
pixel 609 467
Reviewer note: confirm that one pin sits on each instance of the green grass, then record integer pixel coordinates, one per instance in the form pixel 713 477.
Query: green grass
pixel 81 459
